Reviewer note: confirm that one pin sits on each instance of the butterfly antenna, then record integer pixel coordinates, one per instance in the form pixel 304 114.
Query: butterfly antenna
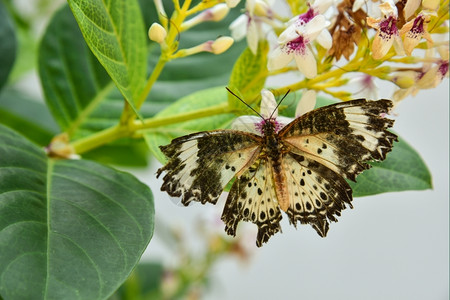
pixel 276 108
pixel 246 104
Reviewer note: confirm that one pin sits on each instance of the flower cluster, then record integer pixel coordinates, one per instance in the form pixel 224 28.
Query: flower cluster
pixel 400 42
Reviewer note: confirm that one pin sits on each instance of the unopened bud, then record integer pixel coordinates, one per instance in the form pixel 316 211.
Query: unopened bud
pixel 157 33
pixel 221 44
pixel 219 12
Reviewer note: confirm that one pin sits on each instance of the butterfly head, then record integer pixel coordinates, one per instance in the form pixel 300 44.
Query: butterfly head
pixel 268 126
pixel 267 122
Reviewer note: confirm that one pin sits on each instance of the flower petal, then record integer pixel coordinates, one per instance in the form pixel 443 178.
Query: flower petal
pixel 381 44
pixel 313 28
pixel 239 27
pixel 246 123
pixel 306 103
pixel 278 59
pixel 252 36
pixel 268 105
pixel 289 34
pixel 410 7
pixel 322 6
pixel 324 39
pixel 232 3
pixel 306 63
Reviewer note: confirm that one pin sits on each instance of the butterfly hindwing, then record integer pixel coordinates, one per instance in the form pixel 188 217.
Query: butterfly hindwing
pixel 252 198
pixel 316 193
pixel 201 164
pixel 343 136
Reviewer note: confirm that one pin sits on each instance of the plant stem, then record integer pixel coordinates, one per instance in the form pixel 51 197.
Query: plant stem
pixel 119 131
pixel 98 139
pixel 151 81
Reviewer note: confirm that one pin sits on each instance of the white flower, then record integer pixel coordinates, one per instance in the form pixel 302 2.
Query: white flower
pixel 294 43
pixel 387 31
pixel 428 77
pixel 269 113
pixel 367 86
pixel 250 24
pixel 413 32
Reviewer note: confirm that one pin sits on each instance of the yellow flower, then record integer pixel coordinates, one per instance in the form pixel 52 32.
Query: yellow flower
pixel 413 31
pixel 387 32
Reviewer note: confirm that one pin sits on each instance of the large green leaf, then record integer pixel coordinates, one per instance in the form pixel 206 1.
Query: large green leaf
pixel 8 45
pixel 114 31
pixel 74 83
pixel 79 92
pixel 402 170
pixel 81 96
pixel 69 229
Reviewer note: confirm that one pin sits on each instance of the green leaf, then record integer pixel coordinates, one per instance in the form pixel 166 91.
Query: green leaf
pixel 249 74
pixel 8 45
pixel 69 229
pixel 28 116
pixel 79 92
pixel 75 84
pixel 402 170
pixel 126 152
pixel 202 99
pixel 144 282
pixel 114 31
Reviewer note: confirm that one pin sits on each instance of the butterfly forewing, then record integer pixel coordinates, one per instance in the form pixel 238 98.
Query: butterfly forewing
pixel 201 164
pixel 253 198
pixel 343 136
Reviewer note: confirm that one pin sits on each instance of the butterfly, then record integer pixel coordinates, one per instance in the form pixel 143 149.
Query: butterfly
pixel 300 169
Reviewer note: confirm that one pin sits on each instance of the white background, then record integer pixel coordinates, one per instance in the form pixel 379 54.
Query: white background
pixel 390 246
